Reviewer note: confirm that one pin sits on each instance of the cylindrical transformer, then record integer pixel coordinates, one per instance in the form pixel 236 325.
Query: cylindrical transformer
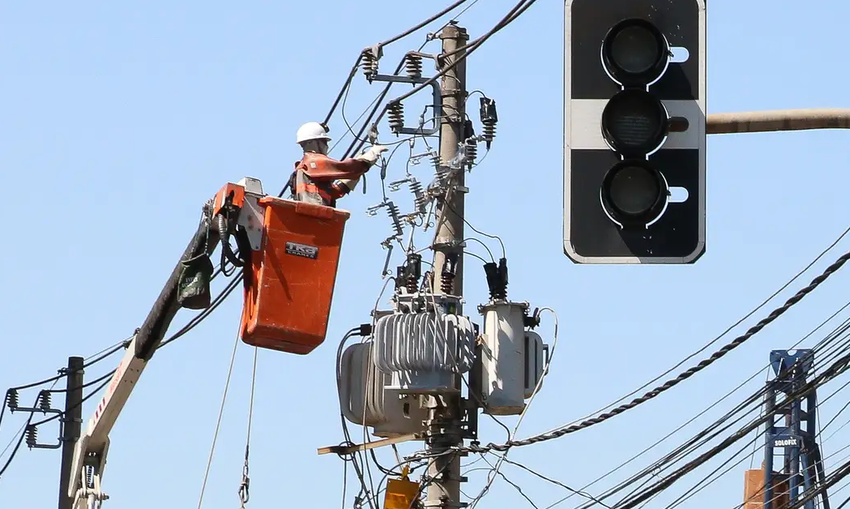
pixel 503 358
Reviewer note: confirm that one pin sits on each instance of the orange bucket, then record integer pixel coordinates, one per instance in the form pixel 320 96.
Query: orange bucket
pixel 290 283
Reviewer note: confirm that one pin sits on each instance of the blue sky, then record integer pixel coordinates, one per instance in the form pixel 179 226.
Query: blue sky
pixel 119 121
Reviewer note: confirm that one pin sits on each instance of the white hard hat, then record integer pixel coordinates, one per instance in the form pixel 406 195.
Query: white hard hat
pixel 311 131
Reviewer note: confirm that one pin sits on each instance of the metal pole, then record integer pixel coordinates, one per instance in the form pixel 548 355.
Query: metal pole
pixel 72 420
pixel 444 415
pixel 778 120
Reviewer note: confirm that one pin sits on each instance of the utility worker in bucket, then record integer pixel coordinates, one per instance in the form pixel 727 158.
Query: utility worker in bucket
pixel 318 178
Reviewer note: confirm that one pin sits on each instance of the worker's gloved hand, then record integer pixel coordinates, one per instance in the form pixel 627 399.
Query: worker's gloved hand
pixel 370 155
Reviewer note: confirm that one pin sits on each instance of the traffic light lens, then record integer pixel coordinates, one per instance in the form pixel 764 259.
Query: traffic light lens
pixel 635 52
pixel 634 192
pixel 634 123
pixel 634 49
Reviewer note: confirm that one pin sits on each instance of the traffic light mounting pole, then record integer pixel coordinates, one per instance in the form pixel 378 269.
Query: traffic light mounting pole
pixel 778 120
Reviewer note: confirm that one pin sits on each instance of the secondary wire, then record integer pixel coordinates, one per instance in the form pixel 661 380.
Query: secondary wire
pixel 727 395
pixel 189 326
pixel 834 370
pixel 725 332
pixel 386 90
pixel 684 449
pixel 522 414
pixel 422 24
pixel 512 15
pixel 580 492
pixel 18 445
pixel 109 351
pixel 776 313
pixel 391 40
pixel 218 421
pixel 696 489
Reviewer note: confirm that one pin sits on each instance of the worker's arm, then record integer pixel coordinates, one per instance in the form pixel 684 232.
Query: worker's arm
pixel 321 167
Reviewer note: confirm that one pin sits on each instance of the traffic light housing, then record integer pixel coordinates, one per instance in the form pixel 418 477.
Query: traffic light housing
pixel 634 131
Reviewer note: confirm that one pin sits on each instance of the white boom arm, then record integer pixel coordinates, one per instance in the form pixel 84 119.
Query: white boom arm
pixel 91 449
pixel 240 202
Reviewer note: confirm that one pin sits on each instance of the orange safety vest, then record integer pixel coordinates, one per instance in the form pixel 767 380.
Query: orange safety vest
pixel 315 175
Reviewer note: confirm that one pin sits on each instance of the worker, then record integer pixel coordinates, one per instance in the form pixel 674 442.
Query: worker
pixel 320 179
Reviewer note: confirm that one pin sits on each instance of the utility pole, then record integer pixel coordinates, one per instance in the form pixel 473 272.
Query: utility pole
pixel 72 420
pixel 444 413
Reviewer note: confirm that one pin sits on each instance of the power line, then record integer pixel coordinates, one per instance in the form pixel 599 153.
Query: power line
pixel 834 370
pixel 422 24
pixel 725 332
pixel 776 313
pixel 712 431
pixel 387 42
pixel 512 15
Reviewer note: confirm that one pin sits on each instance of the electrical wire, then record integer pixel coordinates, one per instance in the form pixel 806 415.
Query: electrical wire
pixel 765 369
pixel 512 15
pixel 422 24
pixel 479 232
pixel 354 456
pixel 468 49
pixel 103 381
pixel 64 371
pixel 513 484
pixel 17 446
pixel 105 353
pixel 712 431
pixel 218 421
pixel 724 333
pixel 554 481
pixel 834 370
pixel 346 85
pixel 693 492
pixel 696 489
pixel 189 326
pixel 383 94
pixel 522 414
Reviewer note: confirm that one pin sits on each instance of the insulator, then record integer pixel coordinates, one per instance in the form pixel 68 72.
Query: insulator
pixel 395 112
pixel 489 117
pixel 447 283
pixel 489 131
pixel 412 284
pixel 448 274
pixel 32 436
pixel 44 401
pixel 439 167
pixel 471 146
pixel 437 161
pixel 392 211
pixel 413 63
pixel 419 199
pixel 12 399
pixel 370 65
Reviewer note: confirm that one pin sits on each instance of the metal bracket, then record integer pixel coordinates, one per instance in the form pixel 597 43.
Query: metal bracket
pixel 437 101
pixel 32 438
pixel 251 216
pixel 348 449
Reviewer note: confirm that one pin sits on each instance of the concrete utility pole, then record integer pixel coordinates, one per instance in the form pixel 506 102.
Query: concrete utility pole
pixel 72 421
pixel 444 414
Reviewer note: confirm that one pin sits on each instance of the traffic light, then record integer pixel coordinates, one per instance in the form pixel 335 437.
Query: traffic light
pixel 634 131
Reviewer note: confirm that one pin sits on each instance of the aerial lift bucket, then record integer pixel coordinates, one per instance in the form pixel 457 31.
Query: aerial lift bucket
pixel 290 282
